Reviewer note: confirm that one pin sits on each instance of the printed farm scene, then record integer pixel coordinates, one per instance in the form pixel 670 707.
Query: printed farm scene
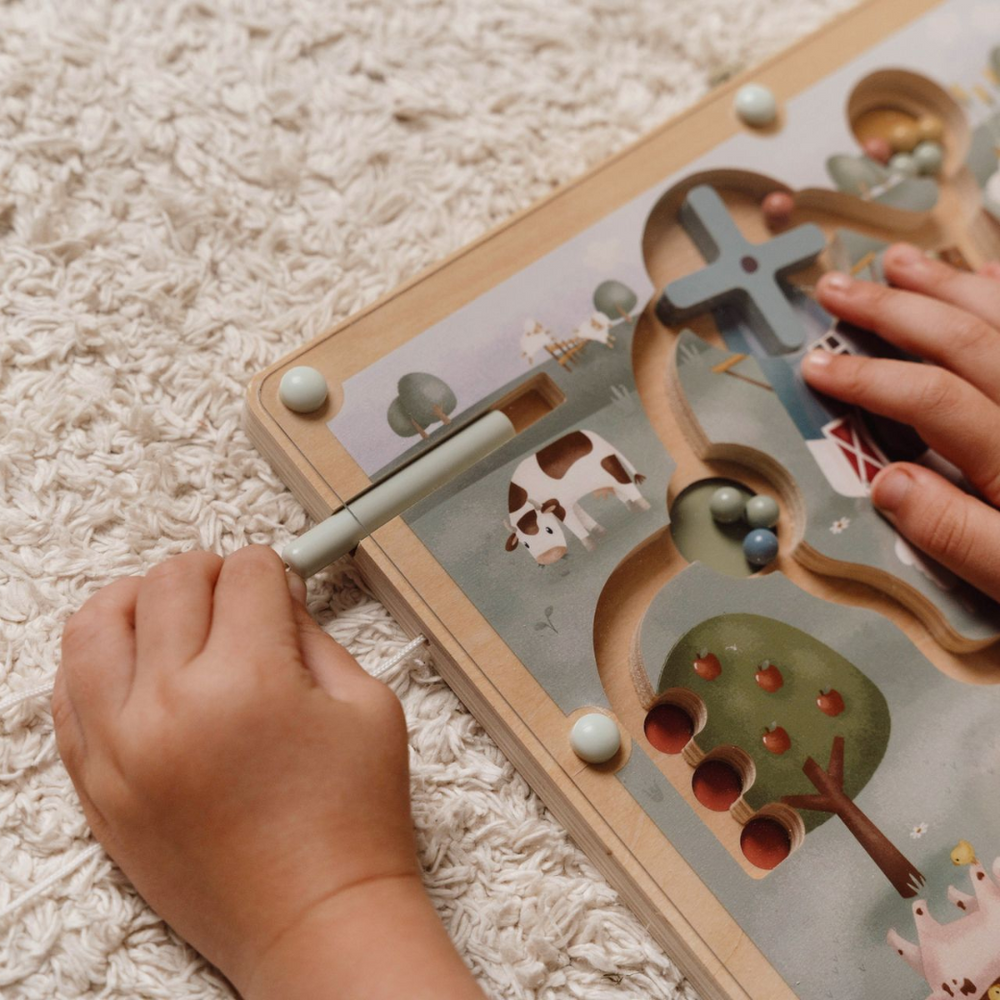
pixel 534 532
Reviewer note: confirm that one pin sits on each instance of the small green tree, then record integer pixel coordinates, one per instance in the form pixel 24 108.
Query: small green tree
pixel 401 423
pixel 426 398
pixel 615 300
pixel 423 400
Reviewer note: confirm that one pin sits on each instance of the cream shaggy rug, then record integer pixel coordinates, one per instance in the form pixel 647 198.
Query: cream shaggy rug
pixel 189 189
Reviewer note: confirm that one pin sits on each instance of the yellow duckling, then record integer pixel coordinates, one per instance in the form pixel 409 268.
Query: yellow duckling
pixel 965 854
pixel 994 992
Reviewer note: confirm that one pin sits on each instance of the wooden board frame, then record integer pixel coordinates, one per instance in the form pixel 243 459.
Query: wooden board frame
pixel 624 844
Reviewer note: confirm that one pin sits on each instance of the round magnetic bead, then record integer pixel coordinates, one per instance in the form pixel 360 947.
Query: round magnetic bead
pixel 302 389
pixel 904 136
pixel 762 511
pixel 905 164
pixel 595 738
pixel 760 547
pixel 930 128
pixel 778 207
pixel 929 157
pixel 877 148
pixel 756 105
pixel 726 505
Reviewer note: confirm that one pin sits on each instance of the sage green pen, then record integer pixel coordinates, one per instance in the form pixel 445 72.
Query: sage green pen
pixel 343 530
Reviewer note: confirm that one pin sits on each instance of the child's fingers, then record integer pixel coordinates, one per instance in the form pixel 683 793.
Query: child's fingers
pixel 957 530
pixel 174 610
pixel 72 744
pixel 940 332
pixel 69 731
pixel 949 414
pixel 98 653
pixel 334 669
pixel 252 606
pixel 908 267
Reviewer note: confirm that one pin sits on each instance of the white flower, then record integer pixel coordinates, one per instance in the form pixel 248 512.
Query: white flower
pixel 840 525
pixel 918 831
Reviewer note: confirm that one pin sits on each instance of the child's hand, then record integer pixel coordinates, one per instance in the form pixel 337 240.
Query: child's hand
pixel 952 319
pixel 251 780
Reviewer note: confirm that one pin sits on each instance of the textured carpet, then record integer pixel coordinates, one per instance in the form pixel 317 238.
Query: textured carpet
pixel 189 189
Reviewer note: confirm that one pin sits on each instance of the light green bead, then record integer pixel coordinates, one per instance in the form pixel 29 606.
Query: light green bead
pixel 302 389
pixel 762 511
pixel 905 164
pixel 595 738
pixel 929 157
pixel 727 505
pixel 756 105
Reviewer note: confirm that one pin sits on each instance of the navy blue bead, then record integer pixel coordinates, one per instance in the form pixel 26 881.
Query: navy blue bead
pixel 760 547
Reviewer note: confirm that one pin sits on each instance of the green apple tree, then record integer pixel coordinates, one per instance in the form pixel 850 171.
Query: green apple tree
pixel 615 300
pixel 786 700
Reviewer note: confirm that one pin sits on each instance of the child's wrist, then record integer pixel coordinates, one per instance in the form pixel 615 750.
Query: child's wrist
pixel 374 940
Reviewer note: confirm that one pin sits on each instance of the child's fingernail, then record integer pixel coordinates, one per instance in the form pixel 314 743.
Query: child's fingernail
pixel 817 360
pixel 906 256
pixel 890 488
pixel 296 587
pixel 836 281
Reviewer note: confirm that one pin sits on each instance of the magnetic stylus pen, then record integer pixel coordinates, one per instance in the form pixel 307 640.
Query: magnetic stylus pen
pixel 344 529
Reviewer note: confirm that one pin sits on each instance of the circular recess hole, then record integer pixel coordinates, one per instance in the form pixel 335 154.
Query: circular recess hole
pixel 771 836
pixel 722 777
pixel 669 728
pixel 765 843
pixel 887 99
pixel 689 702
pixel 717 785
pixel 700 538
pixel 879 122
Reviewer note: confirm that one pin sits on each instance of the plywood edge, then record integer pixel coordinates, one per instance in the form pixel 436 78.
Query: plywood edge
pixel 304 482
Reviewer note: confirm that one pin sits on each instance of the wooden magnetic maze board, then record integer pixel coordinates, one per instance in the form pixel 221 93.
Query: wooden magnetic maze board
pixel 805 802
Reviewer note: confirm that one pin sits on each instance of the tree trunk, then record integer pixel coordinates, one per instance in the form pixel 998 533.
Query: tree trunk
pixel 621 312
pixel 420 429
pixel 906 879
pixel 441 415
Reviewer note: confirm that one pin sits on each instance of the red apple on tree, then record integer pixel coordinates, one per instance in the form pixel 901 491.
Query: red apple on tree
pixel 830 702
pixel 769 677
pixel 776 739
pixel 707 665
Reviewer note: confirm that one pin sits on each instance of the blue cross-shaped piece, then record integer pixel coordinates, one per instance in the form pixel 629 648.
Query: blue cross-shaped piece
pixel 744 274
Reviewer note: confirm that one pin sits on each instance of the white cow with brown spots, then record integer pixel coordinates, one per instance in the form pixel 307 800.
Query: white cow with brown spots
pixel 546 490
